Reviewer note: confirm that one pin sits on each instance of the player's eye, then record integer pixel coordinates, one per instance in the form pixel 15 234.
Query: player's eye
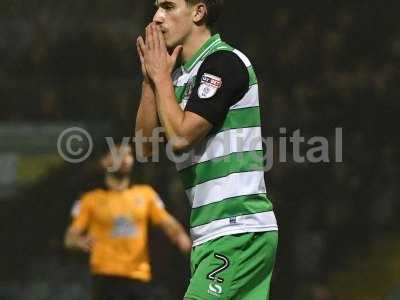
pixel 167 5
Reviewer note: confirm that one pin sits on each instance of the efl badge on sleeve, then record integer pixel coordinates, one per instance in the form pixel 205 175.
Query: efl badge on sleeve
pixel 209 86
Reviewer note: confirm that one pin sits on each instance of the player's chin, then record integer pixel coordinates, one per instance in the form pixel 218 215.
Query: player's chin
pixel 171 45
pixel 125 170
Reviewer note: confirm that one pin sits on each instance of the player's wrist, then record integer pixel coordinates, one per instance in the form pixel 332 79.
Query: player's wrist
pixel 146 83
pixel 184 243
pixel 147 90
pixel 161 79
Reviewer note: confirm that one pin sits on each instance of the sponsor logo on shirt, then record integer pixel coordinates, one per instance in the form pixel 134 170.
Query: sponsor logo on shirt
pixel 215 289
pixel 123 227
pixel 232 220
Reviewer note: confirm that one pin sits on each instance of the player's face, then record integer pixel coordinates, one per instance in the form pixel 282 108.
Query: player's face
pixel 175 19
pixel 126 160
pixel 120 159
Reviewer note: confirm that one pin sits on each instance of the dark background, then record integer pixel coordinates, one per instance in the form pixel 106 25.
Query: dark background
pixel 320 65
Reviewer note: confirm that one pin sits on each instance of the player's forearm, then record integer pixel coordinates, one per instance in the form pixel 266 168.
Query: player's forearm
pixel 76 241
pixel 183 241
pixel 147 118
pixel 71 240
pixel 171 114
pixel 177 234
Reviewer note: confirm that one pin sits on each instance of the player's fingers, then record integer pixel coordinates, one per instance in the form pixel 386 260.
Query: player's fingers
pixel 92 241
pixel 140 42
pixel 140 48
pixel 176 53
pixel 161 40
pixel 153 33
pixel 139 51
pixel 142 45
pixel 88 248
pixel 148 37
pixel 140 54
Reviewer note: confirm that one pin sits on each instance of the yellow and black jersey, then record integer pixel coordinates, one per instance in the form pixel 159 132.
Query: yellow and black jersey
pixel 117 221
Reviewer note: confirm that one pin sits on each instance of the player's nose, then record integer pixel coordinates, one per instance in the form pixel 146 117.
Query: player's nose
pixel 158 17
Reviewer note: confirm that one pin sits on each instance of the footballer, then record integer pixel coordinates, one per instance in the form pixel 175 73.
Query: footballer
pixel 210 110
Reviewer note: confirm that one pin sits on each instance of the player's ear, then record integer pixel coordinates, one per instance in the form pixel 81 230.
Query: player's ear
pixel 199 12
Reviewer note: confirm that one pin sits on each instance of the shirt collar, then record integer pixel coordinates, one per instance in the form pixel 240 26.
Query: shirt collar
pixel 211 43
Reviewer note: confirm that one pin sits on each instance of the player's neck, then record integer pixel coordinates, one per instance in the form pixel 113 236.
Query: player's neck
pixel 117 184
pixel 194 42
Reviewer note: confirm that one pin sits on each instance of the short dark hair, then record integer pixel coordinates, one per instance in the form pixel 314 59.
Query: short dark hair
pixel 214 9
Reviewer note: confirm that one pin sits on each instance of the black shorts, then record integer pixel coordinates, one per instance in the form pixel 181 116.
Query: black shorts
pixel 118 288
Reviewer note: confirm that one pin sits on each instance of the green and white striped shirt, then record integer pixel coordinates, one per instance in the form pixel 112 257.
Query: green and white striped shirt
pixel 223 175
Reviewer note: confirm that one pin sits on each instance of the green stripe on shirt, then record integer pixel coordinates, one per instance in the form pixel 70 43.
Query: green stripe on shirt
pixel 242 118
pixel 221 167
pixel 231 207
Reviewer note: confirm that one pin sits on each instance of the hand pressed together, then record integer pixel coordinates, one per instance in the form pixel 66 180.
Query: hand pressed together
pixel 157 63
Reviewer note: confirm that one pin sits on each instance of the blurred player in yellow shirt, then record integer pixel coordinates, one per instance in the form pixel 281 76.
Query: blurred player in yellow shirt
pixel 112 225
